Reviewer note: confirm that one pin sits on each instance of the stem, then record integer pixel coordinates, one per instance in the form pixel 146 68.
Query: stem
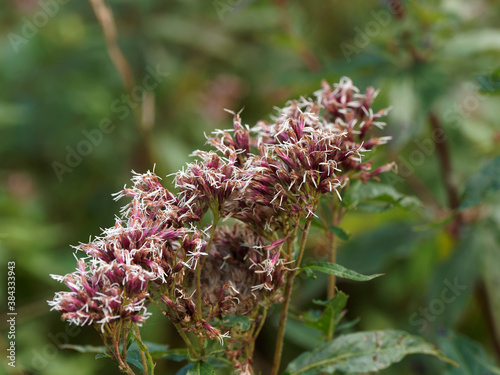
pixel 147 360
pixel 105 341
pixel 281 330
pixel 126 331
pixel 445 163
pixel 303 242
pixel 332 250
pixel 256 333
pixel 332 258
pixel 189 345
pixel 143 359
pixel 107 21
pixel 144 115
pixel 121 362
pixel 486 305
pixel 446 172
pixel 288 293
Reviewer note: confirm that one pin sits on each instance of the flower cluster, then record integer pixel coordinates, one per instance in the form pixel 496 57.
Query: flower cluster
pixel 313 147
pixel 172 250
pixel 103 294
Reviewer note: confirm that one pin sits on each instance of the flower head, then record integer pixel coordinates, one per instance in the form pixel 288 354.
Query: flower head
pixel 103 294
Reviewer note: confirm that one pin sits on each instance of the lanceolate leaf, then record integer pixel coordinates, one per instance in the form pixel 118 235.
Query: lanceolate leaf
pixel 469 355
pixel 326 320
pixel 486 181
pixel 337 270
pixel 361 352
pixel 84 348
pixel 340 233
pixel 177 355
pixel 377 197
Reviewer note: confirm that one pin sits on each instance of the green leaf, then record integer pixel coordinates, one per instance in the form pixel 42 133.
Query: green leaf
pixel 490 259
pixel 325 321
pixel 103 355
pixel 134 358
pixel 310 274
pixel 451 284
pixel 201 368
pixel 300 334
pixel 340 233
pixel 489 84
pixel 337 270
pixel 468 354
pixel 176 355
pixel 376 197
pixel 185 369
pixel 348 325
pixel 361 352
pixel 139 347
pixel 84 348
pixel 484 182
pixel 160 350
pixel 133 353
pixel 373 249
pixel 317 223
pixel 231 320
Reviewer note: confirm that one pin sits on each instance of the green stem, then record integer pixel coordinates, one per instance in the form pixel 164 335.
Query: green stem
pixel 332 253
pixel 255 334
pixel 143 356
pixel 147 360
pixel 288 293
pixel 188 343
pixel 126 331
pixel 121 362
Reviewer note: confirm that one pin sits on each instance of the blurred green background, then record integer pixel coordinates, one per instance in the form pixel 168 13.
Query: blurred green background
pixel 436 63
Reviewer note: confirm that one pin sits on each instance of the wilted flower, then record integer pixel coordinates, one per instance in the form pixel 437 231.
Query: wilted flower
pixel 242 272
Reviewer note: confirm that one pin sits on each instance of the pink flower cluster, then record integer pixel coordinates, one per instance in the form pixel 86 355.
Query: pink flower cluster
pixel 171 249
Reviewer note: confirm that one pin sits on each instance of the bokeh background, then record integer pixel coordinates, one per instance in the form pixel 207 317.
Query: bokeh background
pixel 436 63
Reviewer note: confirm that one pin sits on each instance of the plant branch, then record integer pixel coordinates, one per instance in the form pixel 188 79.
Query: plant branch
pixel 188 343
pixel 446 172
pixel 144 114
pixel 147 360
pixel 107 21
pixel 288 294
pixel 121 361
pixel 332 253
pixel 445 163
